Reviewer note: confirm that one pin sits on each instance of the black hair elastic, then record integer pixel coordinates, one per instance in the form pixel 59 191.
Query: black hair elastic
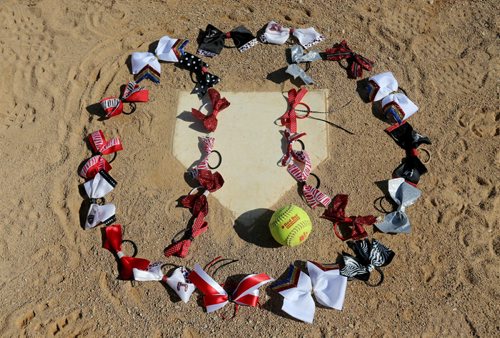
pixel 134 246
pixel 218 163
pixel 132 106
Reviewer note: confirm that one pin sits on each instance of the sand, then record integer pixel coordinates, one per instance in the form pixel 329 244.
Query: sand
pixel 61 57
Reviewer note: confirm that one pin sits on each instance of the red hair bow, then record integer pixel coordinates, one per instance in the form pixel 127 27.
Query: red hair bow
pixel 289 118
pixel 355 62
pixel 132 93
pixel 99 147
pixel 113 242
pixel 336 214
pixel 218 104
pixel 210 181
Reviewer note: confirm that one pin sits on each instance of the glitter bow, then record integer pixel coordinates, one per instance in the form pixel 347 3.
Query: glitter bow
pixel 406 137
pixel 289 118
pixel 196 66
pixel 324 281
pixel 113 242
pixel 336 213
pixel 212 40
pixel 218 104
pixel 99 147
pixel 113 106
pixel 178 281
pixel 277 34
pixel 146 65
pixel 96 189
pixel 215 297
pixel 355 62
pixel 369 256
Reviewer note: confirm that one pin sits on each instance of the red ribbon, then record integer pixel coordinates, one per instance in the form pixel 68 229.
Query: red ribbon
pixel 289 119
pixel 113 242
pixel 218 104
pixel 356 62
pixel 100 146
pixel 290 153
pixel 210 181
pixel 336 214
pixel 132 93
pixel 93 166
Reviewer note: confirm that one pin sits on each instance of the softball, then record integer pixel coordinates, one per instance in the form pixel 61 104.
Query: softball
pixel 290 225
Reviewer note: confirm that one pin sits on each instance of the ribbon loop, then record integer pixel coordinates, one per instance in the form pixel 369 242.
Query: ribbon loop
pixel 355 62
pixel 289 118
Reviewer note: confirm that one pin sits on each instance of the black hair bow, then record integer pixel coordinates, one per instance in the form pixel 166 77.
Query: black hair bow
pixel 211 41
pixel 411 168
pixel 406 137
pixel 196 66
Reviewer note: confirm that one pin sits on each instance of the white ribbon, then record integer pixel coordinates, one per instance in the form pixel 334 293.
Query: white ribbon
pixel 277 34
pixel 163 52
pixel 98 187
pixel 100 214
pixel 387 83
pixel 408 107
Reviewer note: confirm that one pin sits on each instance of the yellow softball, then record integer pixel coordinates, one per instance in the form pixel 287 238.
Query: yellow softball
pixel 290 225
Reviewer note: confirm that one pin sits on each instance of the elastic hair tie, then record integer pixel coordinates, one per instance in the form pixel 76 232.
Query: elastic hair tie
pixel 377 204
pixel 429 156
pixel 134 246
pixel 308 111
pixel 218 163
pixel 381 280
pixel 132 106
pixel 219 260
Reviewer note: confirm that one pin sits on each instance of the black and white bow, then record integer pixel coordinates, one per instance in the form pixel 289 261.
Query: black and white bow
pixel 96 189
pixel 199 68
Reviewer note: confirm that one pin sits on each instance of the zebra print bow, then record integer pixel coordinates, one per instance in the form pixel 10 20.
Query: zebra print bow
pixel 369 256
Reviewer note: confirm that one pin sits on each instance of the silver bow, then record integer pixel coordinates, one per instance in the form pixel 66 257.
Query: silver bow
pixel 295 71
pixel 297 55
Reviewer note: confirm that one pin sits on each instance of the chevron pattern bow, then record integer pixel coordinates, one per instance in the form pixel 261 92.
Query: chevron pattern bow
pixel 112 241
pixel 196 66
pixel 146 65
pixel 96 189
pixel 215 297
pixel 289 118
pixel 207 147
pixel 113 106
pixel 369 256
pixel 218 104
pixel 212 40
pixel 355 62
pixel 406 137
pixel 178 281
pixel 411 169
pixel 404 195
pixel 336 213
pixel 277 34
pixel 324 281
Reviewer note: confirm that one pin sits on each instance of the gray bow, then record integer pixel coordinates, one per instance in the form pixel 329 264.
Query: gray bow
pixel 404 195
pixel 295 71
pixel 297 55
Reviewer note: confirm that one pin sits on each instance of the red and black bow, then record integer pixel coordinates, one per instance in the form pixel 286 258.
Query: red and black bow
pixel 132 93
pixel 336 213
pixel 355 62
pixel 113 242
pixel 218 104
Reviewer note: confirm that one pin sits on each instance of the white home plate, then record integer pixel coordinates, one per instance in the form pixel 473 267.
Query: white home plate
pixel 251 145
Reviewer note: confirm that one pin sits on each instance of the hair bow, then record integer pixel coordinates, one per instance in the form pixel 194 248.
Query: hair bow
pixel 113 106
pixel 177 281
pixel 208 180
pixel 207 146
pixel 277 34
pixel 298 55
pixel 368 257
pixel 198 205
pixel 406 137
pixel 146 65
pixel 404 195
pixel 296 72
pixel 355 62
pixel 196 66
pixel 99 147
pixel 324 281
pixel 215 297
pixel 113 242
pixel 212 40
pixel 384 87
pixel 289 118
pixel 411 169
pixel 96 189
pixel 336 214
pixel 218 104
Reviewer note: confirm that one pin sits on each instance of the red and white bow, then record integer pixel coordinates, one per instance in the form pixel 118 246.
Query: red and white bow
pixel 289 118
pixel 93 166
pixel 215 297
pixel 99 147
pixel 113 106
pixel 207 146
pixel 218 104
pixel 113 242
pixel 178 281
pixel 96 189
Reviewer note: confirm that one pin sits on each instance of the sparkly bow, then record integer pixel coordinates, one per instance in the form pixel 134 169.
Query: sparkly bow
pixel 218 104
pixel 96 189
pixel 411 169
pixel 277 34
pixel 289 118
pixel 336 214
pixel 212 40
pixel 404 195
pixel 196 66
pixel 178 281
pixel 99 147
pixel 406 137
pixel 355 62
pixel 324 281
pixel 146 65
pixel 198 205
pixel 113 242
pixel 368 257
pixel 215 297
pixel 384 87
pixel 113 106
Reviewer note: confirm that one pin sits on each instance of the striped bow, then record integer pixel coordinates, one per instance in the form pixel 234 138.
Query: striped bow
pixel 336 213
pixel 215 297
pixel 96 189
pixel 218 104
pixel 113 106
pixel 355 62
pixel 93 166
pixel 289 118
pixel 113 242
pixel 207 146
pixel 99 147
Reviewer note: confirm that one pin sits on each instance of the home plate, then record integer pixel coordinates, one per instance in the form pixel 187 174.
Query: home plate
pixel 249 139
